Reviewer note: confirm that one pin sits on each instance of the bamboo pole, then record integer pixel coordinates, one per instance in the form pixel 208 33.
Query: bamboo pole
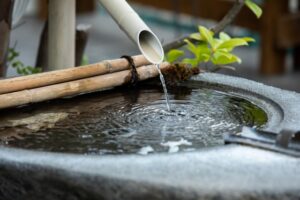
pixel 60 76
pixel 82 34
pixel 61 43
pixel 77 87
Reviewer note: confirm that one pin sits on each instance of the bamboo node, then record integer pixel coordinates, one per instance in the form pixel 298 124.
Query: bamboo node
pixel 108 66
pixel 30 96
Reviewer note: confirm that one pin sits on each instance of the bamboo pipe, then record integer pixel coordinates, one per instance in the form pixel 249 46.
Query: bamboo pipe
pixel 60 76
pixel 136 29
pixel 77 87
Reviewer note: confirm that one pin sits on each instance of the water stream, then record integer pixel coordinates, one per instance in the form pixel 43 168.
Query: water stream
pixel 163 82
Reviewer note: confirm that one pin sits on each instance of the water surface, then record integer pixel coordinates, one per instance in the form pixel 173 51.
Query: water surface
pixel 136 121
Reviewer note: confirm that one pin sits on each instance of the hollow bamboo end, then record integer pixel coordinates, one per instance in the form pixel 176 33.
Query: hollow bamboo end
pixel 150 47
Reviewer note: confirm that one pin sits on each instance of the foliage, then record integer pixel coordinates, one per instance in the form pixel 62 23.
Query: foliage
pixel 254 8
pixel 212 49
pixel 19 66
pixel 217 50
pixel 85 60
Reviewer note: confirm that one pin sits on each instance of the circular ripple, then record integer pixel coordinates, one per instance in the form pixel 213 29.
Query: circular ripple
pixel 143 124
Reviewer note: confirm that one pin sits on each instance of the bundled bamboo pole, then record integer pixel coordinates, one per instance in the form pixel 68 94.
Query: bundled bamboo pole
pixel 76 87
pixel 60 76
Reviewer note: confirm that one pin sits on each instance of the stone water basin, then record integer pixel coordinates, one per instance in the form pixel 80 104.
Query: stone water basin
pixel 125 144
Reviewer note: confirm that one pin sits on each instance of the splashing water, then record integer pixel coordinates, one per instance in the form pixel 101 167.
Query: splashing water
pixel 163 82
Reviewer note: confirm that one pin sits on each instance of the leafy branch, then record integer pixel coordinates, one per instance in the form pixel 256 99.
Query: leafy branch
pixel 206 47
pixel 227 19
pixel 216 50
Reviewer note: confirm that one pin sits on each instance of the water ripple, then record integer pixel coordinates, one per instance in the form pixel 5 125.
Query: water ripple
pixel 144 125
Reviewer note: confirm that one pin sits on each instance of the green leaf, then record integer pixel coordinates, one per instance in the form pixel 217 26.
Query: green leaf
pixel 248 39
pixel 196 36
pixel 191 61
pixel 254 7
pixel 236 59
pixel 203 48
pixel 174 55
pixel 203 52
pixel 19 71
pixel 217 43
pixel 224 36
pixel 204 57
pixel 18 65
pixel 14 65
pixel 191 47
pixel 12 55
pixel 219 54
pixel 29 68
pixel 37 70
pixel 230 44
pixel 222 59
pixel 25 71
pixel 85 60
pixel 207 35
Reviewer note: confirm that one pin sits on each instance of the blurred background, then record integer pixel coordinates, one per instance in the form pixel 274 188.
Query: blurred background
pixel 274 59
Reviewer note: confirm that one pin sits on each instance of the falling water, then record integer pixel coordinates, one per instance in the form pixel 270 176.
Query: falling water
pixel 162 80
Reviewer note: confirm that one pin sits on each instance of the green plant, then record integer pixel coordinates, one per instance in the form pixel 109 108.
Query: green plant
pixel 254 8
pixel 208 48
pixel 217 50
pixel 85 60
pixel 19 66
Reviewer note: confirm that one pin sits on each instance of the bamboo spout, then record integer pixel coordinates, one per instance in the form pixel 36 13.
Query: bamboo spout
pixel 136 29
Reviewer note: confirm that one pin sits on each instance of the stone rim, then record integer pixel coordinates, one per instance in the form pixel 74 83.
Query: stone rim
pixel 203 173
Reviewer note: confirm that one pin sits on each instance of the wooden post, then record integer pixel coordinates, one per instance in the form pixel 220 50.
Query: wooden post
pixel 61 43
pixel 6 8
pixel 42 56
pixel 273 58
pixel 82 33
pixel 82 6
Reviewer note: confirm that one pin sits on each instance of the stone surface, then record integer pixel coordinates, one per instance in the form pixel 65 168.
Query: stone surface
pixel 230 172
pixel 227 172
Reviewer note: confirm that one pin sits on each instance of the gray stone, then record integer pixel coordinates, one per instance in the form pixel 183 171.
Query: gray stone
pixel 226 172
